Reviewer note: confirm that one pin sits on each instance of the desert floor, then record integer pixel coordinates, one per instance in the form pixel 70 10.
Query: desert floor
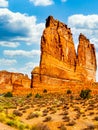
pixel 49 112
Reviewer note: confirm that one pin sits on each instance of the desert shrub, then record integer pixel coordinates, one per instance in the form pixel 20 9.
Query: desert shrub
pixel 3 117
pixel 38 96
pixel 69 91
pixel 32 115
pixel 48 118
pixel 10 123
pixel 85 94
pixel 62 127
pixel 40 127
pixel 8 94
pixel 29 95
pixel 71 123
pixel 1 108
pixel 45 91
pixel 17 113
pixel 13 121
pixel 96 118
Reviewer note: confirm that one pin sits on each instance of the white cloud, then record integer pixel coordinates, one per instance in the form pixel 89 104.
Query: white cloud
pixel 3 3
pixel 9 44
pixel 19 27
pixel 88 25
pixel 42 2
pixel 27 69
pixel 81 21
pixel 63 0
pixel 22 53
pixel 7 62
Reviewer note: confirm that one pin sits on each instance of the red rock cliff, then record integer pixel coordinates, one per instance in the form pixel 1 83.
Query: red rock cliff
pixel 11 81
pixel 59 62
pixel 58 56
pixel 86 60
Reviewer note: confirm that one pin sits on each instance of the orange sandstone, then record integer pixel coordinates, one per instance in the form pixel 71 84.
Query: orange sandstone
pixel 60 66
pixel 10 81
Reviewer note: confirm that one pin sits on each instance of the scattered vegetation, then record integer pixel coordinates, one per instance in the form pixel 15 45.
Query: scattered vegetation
pixel 45 91
pixel 69 91
pixel 13 121
pixel 29 95
pixel 8 94
pixel 40 127
pixel 19 111
pixel 33 115
pixel 85 94
pixel 38 96
pixel 48 118
pixel 62 127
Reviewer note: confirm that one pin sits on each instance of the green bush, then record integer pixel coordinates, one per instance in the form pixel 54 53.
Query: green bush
pixel 45 91
pixel 85 94
pixel 38 96
pixel 10 123
pixel 69 91
pixel 8 94
pixel 29 95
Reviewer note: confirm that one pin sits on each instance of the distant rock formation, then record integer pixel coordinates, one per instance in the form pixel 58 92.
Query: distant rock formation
pixel 59 62
pixel 10 81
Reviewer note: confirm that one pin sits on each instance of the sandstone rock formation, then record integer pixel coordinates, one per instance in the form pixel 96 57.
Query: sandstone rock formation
pixel 86 59
pixel 59 63
pixel 13 81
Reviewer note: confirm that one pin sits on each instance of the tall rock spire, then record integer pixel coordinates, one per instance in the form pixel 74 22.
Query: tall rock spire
pixel 58 54
pixel 59 63
pixel 86 62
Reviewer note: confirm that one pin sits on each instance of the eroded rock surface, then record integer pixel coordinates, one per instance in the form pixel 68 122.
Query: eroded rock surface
pixel 59 63
pixel 86 59
pixel 13 81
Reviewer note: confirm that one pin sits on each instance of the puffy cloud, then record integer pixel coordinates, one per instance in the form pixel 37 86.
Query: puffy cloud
pixel 22 53
pixel 88 25
pixel 9 44
pixel 17 27
pixel 42 2
pixel 3 3
pixel 26 69
pixel 8 62
pixel 81 21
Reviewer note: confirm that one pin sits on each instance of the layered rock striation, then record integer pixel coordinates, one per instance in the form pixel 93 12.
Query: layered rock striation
pixel 10 81
pixel 59 62
pixel 86 59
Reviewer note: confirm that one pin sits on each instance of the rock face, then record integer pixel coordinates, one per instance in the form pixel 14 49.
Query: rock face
pixel 58 54
pixel 13 81
pixel 86 59
pixel 59 63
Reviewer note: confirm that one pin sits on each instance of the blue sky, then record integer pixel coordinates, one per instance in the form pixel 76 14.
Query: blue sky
pixel 22 23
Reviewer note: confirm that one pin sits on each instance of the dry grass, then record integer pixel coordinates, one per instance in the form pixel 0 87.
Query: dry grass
pixel 51 111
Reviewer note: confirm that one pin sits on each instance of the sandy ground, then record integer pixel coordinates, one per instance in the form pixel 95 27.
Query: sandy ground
pixel 63 112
